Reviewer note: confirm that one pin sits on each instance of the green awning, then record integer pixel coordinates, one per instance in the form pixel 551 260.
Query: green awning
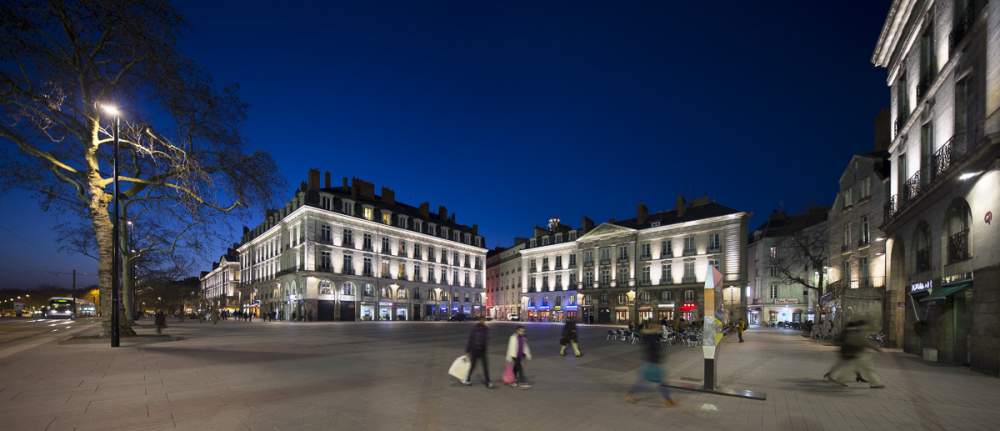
pixel 940 293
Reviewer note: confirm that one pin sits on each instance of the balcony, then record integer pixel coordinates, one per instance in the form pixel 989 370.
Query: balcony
pixel 348 270
pixel 367 247
pixel 367 273
pixel 868 282
pixel 689 252
pixel 942 164
pixel 571 265
pixel 689 279
pixel 605 261
pixel 714 249
pixel 958 247
pixel 545 268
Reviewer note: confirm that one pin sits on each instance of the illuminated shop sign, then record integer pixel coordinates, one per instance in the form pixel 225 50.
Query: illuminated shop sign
pixel 921 286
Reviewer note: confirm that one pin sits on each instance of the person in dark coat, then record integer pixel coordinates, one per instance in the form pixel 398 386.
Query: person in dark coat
pixel 569 338
pixel 475 348
pixel 160 320
pixel 650 370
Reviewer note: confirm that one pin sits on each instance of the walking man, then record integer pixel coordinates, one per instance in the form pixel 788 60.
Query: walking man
pixel 517 352
pixel 650 370
pixel 855 359
pixel 569 338
pixel 476 350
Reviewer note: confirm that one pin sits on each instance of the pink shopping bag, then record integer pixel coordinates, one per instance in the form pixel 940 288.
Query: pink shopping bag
pixel 508 373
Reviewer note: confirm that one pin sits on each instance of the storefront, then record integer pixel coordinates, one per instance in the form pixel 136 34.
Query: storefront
pixel 689 311
pixel 385 311
pixel 367 311
pixel 645 313
pixel 665 312
pixel 939 319
pixel 621 315
pixel 402 312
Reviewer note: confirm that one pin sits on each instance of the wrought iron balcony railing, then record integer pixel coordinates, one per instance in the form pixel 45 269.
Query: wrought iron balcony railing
pixel 958 247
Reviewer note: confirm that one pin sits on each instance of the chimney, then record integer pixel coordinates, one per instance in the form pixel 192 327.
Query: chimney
pixel 343 182
pixel 537 231
pixel 475 229
pixel 586 224
pixel 553 223
pixel 641 213
pixel 681 204
pixel 326 180
pixel 388 196
pixel 313 179
pixel 442 212
pixel 425 210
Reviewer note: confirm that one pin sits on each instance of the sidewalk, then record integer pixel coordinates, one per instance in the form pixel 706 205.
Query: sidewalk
pixel 392 375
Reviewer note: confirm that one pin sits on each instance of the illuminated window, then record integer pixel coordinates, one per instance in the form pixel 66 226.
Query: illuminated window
pixel 386 218
pixel 369 213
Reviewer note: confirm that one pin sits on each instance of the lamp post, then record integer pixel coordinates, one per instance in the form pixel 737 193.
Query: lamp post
pixel 115 259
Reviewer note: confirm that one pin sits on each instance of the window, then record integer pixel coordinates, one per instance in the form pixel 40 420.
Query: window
pixel 348 264
pixel 572 235
pixel 385 245
pixel 622 273
pixel 689 245
pixel 324 260
pixel 454 277
pixel 714 242
pixel 558 262
pixel 572 280
pixel 454 258
pixel 401 221
pixel 369 213
pixel 386 218
pixel 863 272
pixel 467 261
pixel 666 250
pixel 385 269
pixel 401 293
pixel 773 294
pixel 572 260
pixel 623 299
pixel 418 225
pixel 559 283
pixel 689 271
pixel 417 252
pixel 689 295
pixel 666 296
pixel 623 253
pixel 367 242
pixel 866 187
pixel 348 207
pixel 588 257
pixel 645 274
pixel 369 289
pixel 714 262
pixel 847 236
pixel 416 271
pixel 646 250
pixel 588 278
pixel 655 224
pixel 348 239
pixel 533 243
pixel 666 274
pixel 957 229
pixel 928 58
pixel 865 232
pixel 605 275
pixel 558 238
pixel 325 234
pixel 430 254
pixel 534 267
pixel 368 266
pixel 773 252
pixel 545 240
pixel 848 197
pixel 347 289
pixel 444 276
pixel 605 255
pixel 902 101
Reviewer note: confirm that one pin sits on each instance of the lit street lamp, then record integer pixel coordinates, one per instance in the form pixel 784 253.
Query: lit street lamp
pixel 112 110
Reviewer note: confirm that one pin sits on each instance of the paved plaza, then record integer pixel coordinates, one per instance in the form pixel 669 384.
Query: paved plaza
pixel 393 376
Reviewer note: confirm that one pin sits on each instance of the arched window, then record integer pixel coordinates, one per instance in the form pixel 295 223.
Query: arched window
pixel 622 298
pixel 325 287
pixel 957 231
pixel 644 297
pixel 922 248
pixel 347 288
pixel 430 295
pixel 293 288
pixel 386 292
pixel 401 293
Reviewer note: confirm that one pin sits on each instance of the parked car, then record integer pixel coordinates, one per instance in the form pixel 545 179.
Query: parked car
pixel 458 317
pixel 513 317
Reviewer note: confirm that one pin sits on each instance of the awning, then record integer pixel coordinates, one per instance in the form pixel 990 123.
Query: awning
pixel 943 292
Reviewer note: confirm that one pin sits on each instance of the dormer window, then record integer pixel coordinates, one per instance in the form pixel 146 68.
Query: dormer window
pixel 655 224
pixel 558 238
pixel 534 243
pixel 467 238
pixel 348 207
pixel 444 232
pixel 431 229
pixel 479 241
pixel 572 235
pixel 369 213
pixel 386 217
pixel 401 221
pixel 545 240
pixel 418 225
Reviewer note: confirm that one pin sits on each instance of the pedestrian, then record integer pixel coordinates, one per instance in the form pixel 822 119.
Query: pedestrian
pixel 650 370
pixel 740 326
pixel 160 320
pixel 569 338
pixel 475 349
pixel 517 353
pixel 855 359
pixel 250 317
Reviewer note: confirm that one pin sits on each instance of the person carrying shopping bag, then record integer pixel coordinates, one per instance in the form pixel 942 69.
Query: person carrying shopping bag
pixel 517 352
pixel 476 350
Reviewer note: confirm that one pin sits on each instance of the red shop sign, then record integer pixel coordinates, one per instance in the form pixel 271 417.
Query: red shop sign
pixel 689 306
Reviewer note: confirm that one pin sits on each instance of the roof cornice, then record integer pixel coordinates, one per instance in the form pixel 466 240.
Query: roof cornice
pixel 891 32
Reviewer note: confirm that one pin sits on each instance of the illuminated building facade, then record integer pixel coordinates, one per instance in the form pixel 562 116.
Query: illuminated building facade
pixel 345 253
pixel 943 64
pixel 220 286
pixel 503 281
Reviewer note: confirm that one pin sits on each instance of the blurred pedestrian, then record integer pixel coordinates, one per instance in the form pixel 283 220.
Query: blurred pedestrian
pixel 160 320
pixel 569 338
pixel 741 325
pixel 517 353
pixel 650 370
pixel 855 359
pixel 475 348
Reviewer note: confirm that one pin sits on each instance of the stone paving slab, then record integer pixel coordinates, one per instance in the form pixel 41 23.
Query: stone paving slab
pixel 392 375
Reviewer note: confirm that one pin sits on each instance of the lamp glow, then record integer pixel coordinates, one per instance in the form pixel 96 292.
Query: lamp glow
pixel 110 109
pixel 968 175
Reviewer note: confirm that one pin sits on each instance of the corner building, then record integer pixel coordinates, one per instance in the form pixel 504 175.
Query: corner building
pixel 345 253
pixel 942 60
pixel 652 266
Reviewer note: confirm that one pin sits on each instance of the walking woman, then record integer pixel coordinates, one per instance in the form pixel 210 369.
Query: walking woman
pixel 650 370
pixel 569 338
pixel 517 352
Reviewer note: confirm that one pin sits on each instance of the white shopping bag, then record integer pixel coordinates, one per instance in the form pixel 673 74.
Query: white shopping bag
pixel 460 368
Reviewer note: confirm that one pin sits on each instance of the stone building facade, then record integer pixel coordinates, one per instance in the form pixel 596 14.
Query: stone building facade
pixel 652 266
pixel 775 297
pixel 943 64
pixel 345 253
pixel 220 286
pixel 857 276
pixel 503 281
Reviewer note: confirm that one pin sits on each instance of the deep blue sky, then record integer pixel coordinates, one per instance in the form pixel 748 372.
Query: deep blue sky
pixel 509 115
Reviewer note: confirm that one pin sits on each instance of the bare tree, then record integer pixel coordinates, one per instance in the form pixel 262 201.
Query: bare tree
pixel 59 61
pixel 800 257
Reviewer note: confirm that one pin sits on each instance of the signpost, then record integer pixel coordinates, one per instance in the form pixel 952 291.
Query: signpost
pixel 711 340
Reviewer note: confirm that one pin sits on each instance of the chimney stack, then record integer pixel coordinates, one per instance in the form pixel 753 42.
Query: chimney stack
pixel 586 224
pixel 442 213
pixel 641 214
pixel 475 229
pixel 425 210
pixel 326 180
pixel 388 196
pixel 681 205
pixel 343 182
pixel 313 179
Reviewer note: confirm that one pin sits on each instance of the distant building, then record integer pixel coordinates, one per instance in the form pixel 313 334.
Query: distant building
pixel 857 243
pixel 220 286
pixel 652 266
pixel 345 253
pixel 773 249
pixel 503 280
pixel 943 64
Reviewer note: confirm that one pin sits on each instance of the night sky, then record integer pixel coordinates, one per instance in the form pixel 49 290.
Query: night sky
pixel 509 115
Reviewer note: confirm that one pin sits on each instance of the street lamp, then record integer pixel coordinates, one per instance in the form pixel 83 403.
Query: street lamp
pixel 113 111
